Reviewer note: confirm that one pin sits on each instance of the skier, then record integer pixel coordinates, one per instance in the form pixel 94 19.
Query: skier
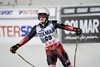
pixel 47 31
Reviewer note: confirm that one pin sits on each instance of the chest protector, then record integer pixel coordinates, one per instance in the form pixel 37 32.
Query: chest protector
pixel 48 35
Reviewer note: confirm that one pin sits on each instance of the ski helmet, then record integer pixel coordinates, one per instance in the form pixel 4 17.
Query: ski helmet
pixel 44 11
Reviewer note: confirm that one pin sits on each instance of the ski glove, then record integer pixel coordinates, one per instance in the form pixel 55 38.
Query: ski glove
pixel 78 31
pixel 14 48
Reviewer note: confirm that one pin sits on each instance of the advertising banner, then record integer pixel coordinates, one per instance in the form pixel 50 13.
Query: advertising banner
pixel 22 12
pixel 15 24
pixel 85 17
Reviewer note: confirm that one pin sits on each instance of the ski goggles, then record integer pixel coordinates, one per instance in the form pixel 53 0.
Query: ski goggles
pixel 43 15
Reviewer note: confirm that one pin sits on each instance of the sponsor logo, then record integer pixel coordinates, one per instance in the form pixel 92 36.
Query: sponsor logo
pixel 28 12
pixel 6 12
pixel 14 31
pixel 87 25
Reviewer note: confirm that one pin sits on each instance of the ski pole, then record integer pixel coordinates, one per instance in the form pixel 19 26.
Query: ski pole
pixel 24 59
pixel 75 51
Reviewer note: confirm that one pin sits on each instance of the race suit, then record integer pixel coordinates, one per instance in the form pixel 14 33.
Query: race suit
pixel 49 37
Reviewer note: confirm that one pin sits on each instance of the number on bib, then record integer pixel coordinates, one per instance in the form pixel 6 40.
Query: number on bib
pixel 48 38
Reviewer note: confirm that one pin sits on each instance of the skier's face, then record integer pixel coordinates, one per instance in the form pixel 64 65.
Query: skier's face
pixel 42 17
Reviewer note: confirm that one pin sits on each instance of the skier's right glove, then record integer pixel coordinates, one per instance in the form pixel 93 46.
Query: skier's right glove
pixel 14 48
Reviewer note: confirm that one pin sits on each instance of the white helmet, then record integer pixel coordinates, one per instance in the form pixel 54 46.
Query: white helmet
pixel 44 10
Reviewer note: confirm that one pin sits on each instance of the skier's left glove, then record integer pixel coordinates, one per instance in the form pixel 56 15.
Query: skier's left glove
pixel 78 31
pixel 14 48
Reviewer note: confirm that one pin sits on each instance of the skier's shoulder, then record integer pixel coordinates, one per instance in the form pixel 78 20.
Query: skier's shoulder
pixel 53 21
pixel 35 26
